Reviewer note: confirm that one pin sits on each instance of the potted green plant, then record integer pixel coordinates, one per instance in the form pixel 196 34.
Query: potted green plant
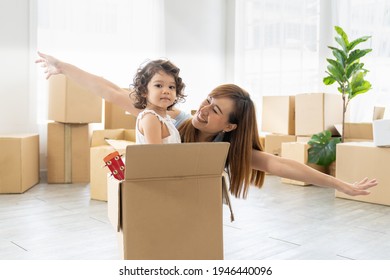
pixel 349 73
pixel 347 70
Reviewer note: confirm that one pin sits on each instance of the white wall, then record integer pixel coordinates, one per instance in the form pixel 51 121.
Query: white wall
pixel 195 41
pixel 17 106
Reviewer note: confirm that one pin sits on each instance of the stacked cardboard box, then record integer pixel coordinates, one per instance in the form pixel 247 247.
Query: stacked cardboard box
pixel 278 122
pixel 316 112
pixel 71 108
pixel 116 117
pixel 19 158
pixel 170 204
pixel 298 151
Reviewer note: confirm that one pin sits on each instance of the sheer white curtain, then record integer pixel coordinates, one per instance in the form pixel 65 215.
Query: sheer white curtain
pixel 110 38
pixel 281 47
pixel 368 17
pixel 277 47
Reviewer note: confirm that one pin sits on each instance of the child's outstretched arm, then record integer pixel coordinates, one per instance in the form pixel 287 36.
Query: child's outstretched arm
pixel 95 84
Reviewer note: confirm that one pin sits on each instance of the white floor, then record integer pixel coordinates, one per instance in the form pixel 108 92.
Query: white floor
pixel 277 222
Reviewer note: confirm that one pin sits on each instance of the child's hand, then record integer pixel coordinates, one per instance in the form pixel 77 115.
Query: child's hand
pixel 50 64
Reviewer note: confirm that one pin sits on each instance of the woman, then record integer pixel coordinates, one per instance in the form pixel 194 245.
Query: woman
pixel 228 114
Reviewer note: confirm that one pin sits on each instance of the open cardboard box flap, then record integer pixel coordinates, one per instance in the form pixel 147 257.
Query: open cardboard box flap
pixel 175 160
pixel 99 136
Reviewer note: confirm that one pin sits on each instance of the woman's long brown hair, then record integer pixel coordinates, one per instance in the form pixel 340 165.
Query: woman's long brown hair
pixel 243 139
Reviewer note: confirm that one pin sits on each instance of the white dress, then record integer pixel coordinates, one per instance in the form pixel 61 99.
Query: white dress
pixel 174 136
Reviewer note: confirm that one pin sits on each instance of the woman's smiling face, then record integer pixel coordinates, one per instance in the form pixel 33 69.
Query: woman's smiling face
pixel 213 115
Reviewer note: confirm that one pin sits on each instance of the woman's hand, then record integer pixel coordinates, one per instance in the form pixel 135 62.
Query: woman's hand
pixel 51 64
pixel 358 188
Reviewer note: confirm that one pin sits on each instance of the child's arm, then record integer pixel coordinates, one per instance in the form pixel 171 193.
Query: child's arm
pixel 151 127
pixel 95 84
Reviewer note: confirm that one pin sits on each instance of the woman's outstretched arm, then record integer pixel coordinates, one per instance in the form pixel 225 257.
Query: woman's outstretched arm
pixel 93 83
pixel 294 170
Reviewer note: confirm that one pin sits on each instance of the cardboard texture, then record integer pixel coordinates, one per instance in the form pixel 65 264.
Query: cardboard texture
pixel 316 112
pixel 298 152
pixel 116 117
pixel 363 159
pixel 70 103
pixel 19 160
pixel 273 143
pixel 170 205
pixel 278 114
pixel 381 133
pixel 98 150
pixel 356 132
pixel 67 153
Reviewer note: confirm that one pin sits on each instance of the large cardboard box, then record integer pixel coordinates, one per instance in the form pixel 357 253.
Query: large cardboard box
pixel 363 159
pixel 101 148
pixel 316 112
pixel 19 162
pixel 67 153
pixel 273 143
pixel 298 151
pixel 278 114
pixel 116 117
pixel 170 205
pixel 70 103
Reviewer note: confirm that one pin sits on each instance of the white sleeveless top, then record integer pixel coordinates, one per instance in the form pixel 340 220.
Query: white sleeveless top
pixel 174 136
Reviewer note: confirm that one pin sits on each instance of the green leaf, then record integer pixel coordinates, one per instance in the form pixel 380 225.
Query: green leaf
pixel 356 54
pixel 343 35
pixel 328 80
pixel 337 65
pixel 322 149
pixel 340 55
pixel 353 68
pixel 354 43
pixel 336 73
pixel 341 43
pixel 364 87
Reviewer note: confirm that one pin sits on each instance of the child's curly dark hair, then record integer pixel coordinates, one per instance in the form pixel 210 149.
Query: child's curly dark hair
pixel 144 75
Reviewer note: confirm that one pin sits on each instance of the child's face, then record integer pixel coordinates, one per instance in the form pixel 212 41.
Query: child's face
pixel 161 90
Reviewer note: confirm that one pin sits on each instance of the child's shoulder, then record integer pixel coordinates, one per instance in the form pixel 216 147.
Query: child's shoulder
pixel 148 113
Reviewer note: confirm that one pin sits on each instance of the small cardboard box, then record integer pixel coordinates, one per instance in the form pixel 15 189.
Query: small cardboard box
pixel 363 159
pixel 116 117
pixel 316 112
pixel 273 143
pixel 170 205
pixel 19 162
pixel 70 103
pixel 67 153
pixel 381 133
pixel 298 151
pixel 101 148
pixel 278 114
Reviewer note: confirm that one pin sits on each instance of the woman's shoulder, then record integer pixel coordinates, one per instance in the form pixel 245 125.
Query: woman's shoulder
pixel 179 116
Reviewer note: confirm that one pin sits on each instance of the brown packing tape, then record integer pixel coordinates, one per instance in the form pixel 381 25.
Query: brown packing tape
pixel 68 153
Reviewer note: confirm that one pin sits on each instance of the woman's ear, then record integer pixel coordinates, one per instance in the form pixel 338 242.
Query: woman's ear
pixel 230 127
